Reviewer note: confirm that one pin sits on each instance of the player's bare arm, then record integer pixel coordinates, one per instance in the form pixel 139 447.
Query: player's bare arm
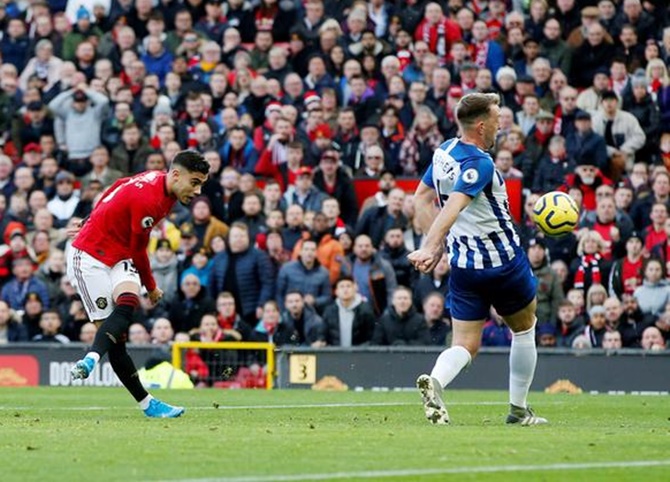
pixel 426 258
pixel 424 206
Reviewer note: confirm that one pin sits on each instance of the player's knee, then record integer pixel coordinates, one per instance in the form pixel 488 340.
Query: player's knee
pixel 128 299
pixel 471 345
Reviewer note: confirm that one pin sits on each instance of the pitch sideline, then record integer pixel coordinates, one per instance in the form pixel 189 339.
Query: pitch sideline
pixel 369 474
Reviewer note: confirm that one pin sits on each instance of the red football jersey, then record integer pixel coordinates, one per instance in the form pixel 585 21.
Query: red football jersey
pixel 120 225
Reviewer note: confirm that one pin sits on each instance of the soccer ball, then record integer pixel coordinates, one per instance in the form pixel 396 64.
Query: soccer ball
pixel 556 214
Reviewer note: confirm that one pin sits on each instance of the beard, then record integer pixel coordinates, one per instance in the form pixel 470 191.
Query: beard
pixel 588 180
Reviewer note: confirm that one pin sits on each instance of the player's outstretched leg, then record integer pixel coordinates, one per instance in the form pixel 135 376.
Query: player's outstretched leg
pixel 447 366
pixel 109 333
pixel 431 394
pixel 522 362
pixel 127 372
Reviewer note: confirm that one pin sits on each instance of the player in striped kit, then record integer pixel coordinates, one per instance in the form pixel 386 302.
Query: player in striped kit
pixel 488 265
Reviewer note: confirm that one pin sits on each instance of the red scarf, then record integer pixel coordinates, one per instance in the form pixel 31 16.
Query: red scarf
pixel 439 37
pixel 541 138
pixel 591 262
pixel 481 53
pixel 558 120
pixel 226 323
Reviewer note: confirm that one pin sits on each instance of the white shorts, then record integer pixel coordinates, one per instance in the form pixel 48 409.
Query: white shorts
pixel 95 281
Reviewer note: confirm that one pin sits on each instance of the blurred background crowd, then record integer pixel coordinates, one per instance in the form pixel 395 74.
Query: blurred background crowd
pixel 294 103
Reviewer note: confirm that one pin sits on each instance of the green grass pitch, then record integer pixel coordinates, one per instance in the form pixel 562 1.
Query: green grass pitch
pixel 97 434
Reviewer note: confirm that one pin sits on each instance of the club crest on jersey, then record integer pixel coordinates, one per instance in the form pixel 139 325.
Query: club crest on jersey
pixel 147 222
pixel 470 176
pixel 101 302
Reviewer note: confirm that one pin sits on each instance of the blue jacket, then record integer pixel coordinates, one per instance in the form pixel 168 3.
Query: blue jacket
pixel 160 65
pixel 255 279
pixel 249 153
pixel 14 292
pixel 15 52
pixel 495 57
pixel 16 332
pixel 295 276
pixel 591 147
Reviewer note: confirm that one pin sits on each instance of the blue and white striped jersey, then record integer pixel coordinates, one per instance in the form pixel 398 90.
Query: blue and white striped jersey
pixel 483 235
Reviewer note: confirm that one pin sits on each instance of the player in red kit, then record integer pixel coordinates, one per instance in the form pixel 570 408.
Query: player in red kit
pixel 108 263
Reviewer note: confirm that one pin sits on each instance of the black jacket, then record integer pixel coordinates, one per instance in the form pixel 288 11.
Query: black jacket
pixel 375 221
pixel 362 328
pixel 409 329
pixel 186 314
pixel 344 193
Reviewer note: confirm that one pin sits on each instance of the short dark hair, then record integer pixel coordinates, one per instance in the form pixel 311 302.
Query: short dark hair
pixel 344 278
pixel 473 106
pixel 294 291
pixel 192 161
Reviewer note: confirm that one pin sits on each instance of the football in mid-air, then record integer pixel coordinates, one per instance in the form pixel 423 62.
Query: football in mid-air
pixel 556 214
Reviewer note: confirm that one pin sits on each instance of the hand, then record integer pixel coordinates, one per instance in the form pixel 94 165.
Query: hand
pixel 259 313
pixel 233 334
pixel 426 258
pixel 615 234
pixel 155 295
pixel 318 344
pixel 309 300
pixel 73 230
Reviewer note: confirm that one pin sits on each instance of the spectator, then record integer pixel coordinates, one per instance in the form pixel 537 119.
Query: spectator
pixel 234 329
pixel 63 205
pixel 421 140
pixel 660 193
pixel 437 280
pixel 206 226
pixel 612 341
pixel 549 290
pixel 306 276
pixel 626 272
pixel 101 171
pixel 597 326
pixel 654 234
pixel 375 221
pixel 162 333
pixel 271 328
pixel 496 332
pixel 329 252
pixel 11 331
pixel 439 327
pixel 244 271
pixel 333 180
pixel 294 229
pixel 401 324
pixel 308 326
pixel 437 30
pixel 395 252
pixel 129 156
pixel 595 52
pixel 138 335
pixel 305 193
pixel 654 293
pixel 553 167
pixel 349 319
pixel 652 339
pixel 622 133
pixel 570 326
pixel 50 325
pixel 192 304
pixel 374 276
pixel 81 110
pixel 24 281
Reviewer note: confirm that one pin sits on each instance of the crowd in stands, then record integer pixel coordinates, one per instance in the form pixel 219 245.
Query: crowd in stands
pixel 291 102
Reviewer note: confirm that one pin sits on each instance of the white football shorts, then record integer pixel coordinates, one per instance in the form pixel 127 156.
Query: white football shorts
pixel 95 281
